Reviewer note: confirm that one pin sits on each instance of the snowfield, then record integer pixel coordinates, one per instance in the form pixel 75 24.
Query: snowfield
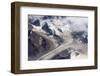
pixel 57 37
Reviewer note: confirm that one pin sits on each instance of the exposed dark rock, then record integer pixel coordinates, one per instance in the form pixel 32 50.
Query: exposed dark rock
pixel 46 28
pixel 59 39
pixel 37 46
pixel 81 35
pixel 36 22
pixel 30 27
pixel 32 49
pixel 63 55
pixel 47 17
pixel 59 30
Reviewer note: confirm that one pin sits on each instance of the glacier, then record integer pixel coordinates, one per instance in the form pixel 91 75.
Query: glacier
pixel 57 37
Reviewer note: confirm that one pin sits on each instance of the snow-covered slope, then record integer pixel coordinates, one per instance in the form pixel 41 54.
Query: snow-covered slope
pixel 59 30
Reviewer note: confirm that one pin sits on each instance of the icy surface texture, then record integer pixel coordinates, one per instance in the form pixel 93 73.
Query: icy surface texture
pixel 57 37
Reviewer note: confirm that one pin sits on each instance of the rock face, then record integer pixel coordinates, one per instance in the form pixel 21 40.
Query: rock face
pixel 65 54
pixel 54 37
pixel 38 45
pixel 46 28
pixel 81 36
